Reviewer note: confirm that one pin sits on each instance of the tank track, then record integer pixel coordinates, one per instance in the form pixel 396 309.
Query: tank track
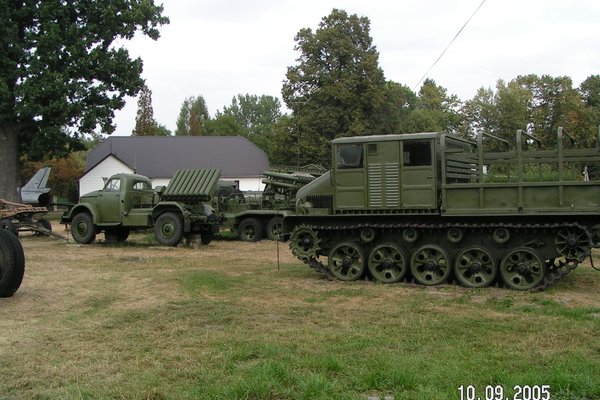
pixel 556 269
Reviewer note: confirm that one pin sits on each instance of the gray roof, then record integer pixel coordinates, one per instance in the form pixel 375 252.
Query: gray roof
pixel 161 156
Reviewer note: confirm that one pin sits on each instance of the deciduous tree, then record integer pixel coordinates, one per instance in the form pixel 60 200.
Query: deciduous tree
pixel 60 66
pixel 337 88
pixel 193 117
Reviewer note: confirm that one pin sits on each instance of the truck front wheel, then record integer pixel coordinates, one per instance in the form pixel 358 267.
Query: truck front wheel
pixel 169 229
pixel 83 229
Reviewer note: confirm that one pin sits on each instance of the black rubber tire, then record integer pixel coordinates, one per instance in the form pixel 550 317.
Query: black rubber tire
pixel 44 223
pixel 83 228
pixel 168 229
pixel 12 264
pixel 206 237
pixel 250 230
pixel 7 225
pixel 117 234
pixel 274 228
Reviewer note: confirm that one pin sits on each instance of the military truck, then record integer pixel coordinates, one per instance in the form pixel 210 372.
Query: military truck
pixel 254 215
pixel 128 202
pixel 434 208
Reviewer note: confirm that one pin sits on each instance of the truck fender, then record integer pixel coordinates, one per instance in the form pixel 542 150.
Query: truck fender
pixel 90 209
pixel 171 206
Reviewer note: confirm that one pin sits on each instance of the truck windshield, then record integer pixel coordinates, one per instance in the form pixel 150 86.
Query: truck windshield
pixel 113 185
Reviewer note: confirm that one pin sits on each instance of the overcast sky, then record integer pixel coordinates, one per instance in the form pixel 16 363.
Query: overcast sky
pixel 221 48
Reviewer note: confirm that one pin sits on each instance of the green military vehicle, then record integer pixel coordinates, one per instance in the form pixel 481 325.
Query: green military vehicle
pixel 256 215
pixel 128 202
pixel 434 207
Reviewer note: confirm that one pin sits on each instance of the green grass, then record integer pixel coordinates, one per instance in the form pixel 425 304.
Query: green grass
pixel 212 324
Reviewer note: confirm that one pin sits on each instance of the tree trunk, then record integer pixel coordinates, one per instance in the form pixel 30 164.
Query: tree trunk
pixel 9 163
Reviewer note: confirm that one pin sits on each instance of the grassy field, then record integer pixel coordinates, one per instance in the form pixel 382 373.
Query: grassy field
pixel 223 322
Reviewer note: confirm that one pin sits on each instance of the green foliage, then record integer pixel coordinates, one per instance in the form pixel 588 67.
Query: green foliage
pixel 193 117
pixel 145 124
pixel 254 116
pixel 337 88
pixel 62 67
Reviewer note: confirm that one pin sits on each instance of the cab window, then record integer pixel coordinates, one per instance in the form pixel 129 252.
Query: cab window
pixel 416 154
pixel 350 156
pixel 141 185
pixel 114 185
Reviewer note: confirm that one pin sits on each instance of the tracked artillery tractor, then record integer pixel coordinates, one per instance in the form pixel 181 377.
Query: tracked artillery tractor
pixel 433 207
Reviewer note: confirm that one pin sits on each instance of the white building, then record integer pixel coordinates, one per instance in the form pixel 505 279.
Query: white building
pixel 158 157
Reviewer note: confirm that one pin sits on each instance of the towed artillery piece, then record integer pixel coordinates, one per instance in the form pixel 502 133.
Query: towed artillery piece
pixel 28 216
pixel 256 215
pixel 434 207
pixel 128 202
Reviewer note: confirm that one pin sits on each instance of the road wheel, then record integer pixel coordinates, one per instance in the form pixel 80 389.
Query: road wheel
pixel 347 261
pixel 387 263
pixel 430 265
pixel 522 269
pixel 83 228
pixel 250 230
pixel 169 229
pixel 7 225
pixel 12 264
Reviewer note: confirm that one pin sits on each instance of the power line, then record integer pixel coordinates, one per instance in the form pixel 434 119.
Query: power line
pixel 449 44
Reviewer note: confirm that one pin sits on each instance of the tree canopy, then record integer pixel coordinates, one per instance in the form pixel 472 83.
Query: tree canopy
pixel 337 88
pixel 61 66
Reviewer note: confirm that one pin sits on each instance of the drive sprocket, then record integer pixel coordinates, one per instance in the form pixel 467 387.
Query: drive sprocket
pixel 304 242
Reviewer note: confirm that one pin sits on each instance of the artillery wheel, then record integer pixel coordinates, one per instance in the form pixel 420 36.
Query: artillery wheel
pixel 475 267
pixel 572 243
pixel 12 264
pixel 274 228
pixel 304 242
pixel 169 229
pixel 522 269
pixel 387 263
pixel 8 225
pixel 430 265
pixel 83 228
pixel 44 223
pixel 250 230
pixel 346 261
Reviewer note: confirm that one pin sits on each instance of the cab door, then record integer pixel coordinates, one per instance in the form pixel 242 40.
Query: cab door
pixel 109 202
pixel 418 174
pixel 349 176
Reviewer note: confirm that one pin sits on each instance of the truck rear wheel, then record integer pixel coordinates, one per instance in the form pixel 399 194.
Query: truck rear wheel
pixel 169 229
pixel 250 230
pixel 83 228
pixel 274 228
pixel 12 264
